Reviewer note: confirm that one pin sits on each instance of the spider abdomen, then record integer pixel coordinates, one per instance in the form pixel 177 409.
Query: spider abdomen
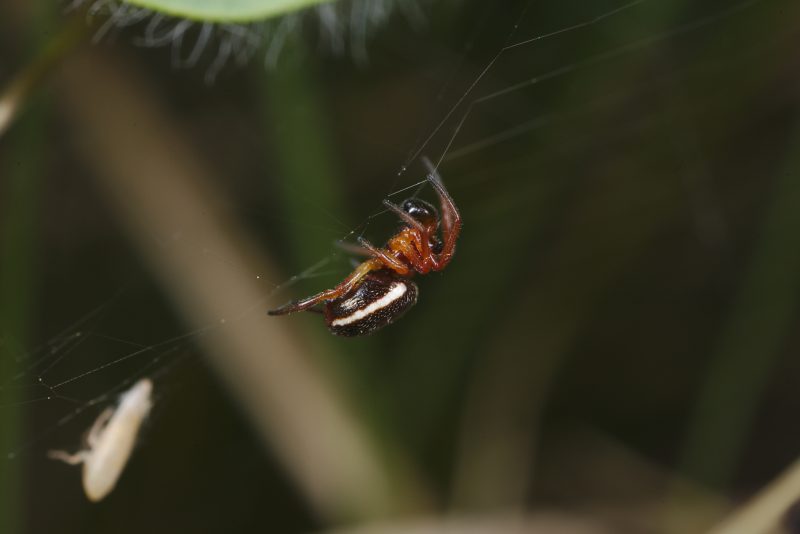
pixel 379 300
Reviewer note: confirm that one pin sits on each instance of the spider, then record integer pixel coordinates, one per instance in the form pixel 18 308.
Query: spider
pixel 379 291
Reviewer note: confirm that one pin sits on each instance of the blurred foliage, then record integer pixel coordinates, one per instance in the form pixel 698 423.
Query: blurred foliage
pixel 627 273
pixel 230 11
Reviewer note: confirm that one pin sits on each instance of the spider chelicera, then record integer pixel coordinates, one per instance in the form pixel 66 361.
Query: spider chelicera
pixel 379 291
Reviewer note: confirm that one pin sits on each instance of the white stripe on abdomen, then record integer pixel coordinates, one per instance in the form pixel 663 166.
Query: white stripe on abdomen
pixel 395 293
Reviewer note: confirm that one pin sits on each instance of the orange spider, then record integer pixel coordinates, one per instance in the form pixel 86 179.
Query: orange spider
pixel 379 291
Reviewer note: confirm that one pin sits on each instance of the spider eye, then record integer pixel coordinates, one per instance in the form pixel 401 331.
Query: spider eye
pixel 420 210
pixel 436 245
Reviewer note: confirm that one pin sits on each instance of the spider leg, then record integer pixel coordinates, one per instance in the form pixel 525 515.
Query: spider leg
pixel 416 250
pixel 405 217
pixel 390 262
pixel 451 218
pixel 352 248
pixel 423 250
pixel 372 264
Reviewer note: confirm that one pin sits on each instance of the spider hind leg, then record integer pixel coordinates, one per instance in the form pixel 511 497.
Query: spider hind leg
pixel 352 281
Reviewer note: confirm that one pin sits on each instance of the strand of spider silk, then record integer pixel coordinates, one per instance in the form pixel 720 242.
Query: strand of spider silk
pixel 20 193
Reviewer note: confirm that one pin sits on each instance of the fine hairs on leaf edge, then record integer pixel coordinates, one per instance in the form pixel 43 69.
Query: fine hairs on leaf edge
pixel 343 27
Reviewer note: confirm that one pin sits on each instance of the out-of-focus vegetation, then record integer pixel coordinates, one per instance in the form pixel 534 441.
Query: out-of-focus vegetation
pixel 230 11
pixel 611 350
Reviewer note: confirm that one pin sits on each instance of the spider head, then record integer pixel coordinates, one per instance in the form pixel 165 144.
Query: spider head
pixel 436 244
pixel 422 212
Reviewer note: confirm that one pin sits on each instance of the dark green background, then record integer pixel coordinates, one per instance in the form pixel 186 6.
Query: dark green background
pixel 627 275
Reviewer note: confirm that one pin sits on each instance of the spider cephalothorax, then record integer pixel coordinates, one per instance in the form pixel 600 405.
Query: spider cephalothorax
pixel 379 290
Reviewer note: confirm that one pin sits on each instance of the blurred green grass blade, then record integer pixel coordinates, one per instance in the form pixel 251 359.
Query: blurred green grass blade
pixel 226 10
pixel 308 185
pixel 751 341
pixel 312 199
pixel 23 156
pixel 312 203
pixel 20 192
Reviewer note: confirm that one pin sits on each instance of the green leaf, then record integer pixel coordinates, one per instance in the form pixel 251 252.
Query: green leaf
pixel 226 10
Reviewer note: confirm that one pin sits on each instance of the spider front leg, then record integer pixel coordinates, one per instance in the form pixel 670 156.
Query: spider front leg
pixel 347 284
pixel 354 249
pixel 451 218
pixel 405 217
pixel 389 261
